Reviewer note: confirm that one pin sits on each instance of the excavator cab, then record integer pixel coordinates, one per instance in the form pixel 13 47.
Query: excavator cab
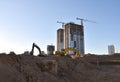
pixel 33 46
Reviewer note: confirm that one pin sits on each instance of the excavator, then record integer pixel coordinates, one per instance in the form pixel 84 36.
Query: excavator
pixel 64 52
pixel 58 53
pixel 33 46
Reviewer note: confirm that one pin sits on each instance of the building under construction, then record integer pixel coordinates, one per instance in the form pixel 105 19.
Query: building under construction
pixel 60 39
pixel 111 49
pixel 50 49
pixel 72 36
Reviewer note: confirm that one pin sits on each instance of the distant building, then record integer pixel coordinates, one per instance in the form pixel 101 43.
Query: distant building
pixel 74 37
pixel 50 49
pixel 60 39
pixel 111 49
pixel 42 52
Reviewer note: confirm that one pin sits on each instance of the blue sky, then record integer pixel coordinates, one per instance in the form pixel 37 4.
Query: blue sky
pixel 23 22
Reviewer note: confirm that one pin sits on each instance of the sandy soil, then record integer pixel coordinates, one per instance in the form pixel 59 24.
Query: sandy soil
pixel 26 68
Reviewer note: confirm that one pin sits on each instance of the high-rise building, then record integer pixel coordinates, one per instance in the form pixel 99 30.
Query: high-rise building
pixel 111 49
pixel 74 37
pixel 60 39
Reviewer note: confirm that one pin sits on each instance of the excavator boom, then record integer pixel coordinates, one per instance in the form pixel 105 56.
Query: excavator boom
pixel 32 51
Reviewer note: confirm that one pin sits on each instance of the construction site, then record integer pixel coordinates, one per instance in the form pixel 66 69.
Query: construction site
pixel 68 63
pixel 30 68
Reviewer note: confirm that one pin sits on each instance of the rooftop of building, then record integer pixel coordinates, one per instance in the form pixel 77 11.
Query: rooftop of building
pixel 72 23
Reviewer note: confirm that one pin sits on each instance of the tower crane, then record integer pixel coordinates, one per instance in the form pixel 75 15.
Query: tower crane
pixel 63 24
pixel 84 20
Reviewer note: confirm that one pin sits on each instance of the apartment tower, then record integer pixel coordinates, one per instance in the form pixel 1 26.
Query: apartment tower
pixel 60 39
pixel 74 37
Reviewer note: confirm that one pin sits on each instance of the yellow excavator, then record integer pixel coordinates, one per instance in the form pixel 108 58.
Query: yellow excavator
pixel 64 52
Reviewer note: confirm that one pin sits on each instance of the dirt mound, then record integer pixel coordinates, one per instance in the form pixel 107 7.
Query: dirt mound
pixel 26 68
